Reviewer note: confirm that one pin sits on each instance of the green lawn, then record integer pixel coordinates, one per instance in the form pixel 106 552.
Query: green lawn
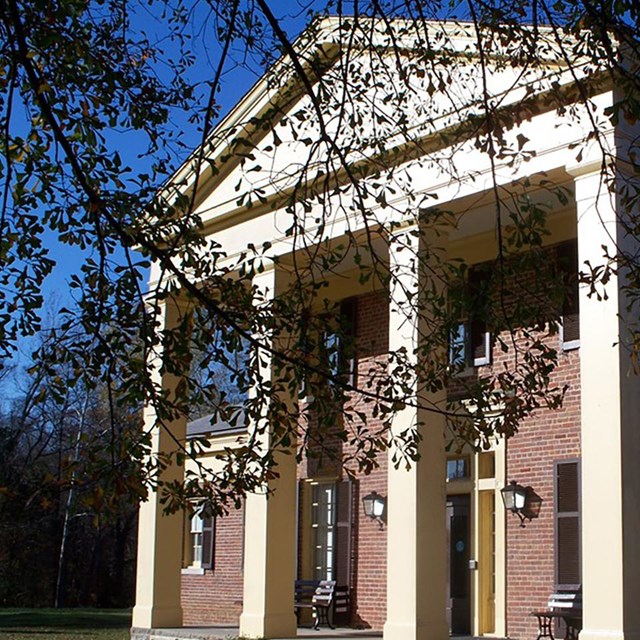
pixel 65 624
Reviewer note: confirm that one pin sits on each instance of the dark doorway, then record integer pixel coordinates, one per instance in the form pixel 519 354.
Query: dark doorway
pixel 458 541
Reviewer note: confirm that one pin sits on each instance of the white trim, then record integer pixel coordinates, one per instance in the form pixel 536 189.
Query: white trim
pixel 569 345
pixel 470 363
pixel 193 571
pixel 486 359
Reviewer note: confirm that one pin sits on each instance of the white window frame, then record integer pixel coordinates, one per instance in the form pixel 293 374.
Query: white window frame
pixel 323 524
pixel 568 345
pixel 199 526
pixel 485 359
pixel 470 363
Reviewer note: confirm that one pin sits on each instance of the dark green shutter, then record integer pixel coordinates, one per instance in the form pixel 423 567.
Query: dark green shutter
pixel 567 501
pixel 342 566
pixel 568 266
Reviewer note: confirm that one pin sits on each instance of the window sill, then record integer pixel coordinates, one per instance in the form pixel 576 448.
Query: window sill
pixel 469 370
pixel 572 345
pixel 193 571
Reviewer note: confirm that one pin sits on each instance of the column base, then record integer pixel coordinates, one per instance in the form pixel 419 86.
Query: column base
pixel 139 633
pixel 279 625
pixel 416 631
pixel 156 617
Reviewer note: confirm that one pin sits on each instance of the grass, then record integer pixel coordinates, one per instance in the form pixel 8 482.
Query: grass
pixel 65 624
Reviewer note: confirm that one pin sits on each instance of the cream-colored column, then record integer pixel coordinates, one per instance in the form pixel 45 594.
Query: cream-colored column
pixel 270 535
pixel 416 533
pixel 610 410
pixel 160 536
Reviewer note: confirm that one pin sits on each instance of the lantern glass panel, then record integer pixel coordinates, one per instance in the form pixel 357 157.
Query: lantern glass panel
pixel 519 497
pixel 367 505
pixel 508 497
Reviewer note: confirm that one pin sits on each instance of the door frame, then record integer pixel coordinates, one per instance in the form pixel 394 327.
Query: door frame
pixel 480 479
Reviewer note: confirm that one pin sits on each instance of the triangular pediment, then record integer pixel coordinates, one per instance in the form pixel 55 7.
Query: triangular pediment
pixel 356 110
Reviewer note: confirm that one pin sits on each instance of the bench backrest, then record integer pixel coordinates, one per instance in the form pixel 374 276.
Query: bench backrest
pixel 323 595
pixel 565 600
pixel 304 590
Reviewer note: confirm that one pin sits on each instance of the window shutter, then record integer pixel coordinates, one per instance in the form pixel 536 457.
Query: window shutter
pixel 299 530
pixel 480 299
pixel 567 501
pixel 568 266
pixel 343 533
pixel 208 538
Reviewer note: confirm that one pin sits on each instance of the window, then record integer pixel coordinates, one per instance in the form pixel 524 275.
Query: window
pixel 201 540
pixel 338 344
pixel 567 512
pixel 348 322
pixel 470 345
pixel 567 255
pixel 458 468
pixel 332 348
pixel 486 464
pixel 470 341
pixel 323 523
pixel 331 515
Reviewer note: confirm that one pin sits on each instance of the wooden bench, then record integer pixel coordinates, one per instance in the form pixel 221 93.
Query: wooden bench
pixel 324 599
pixel 322 602
pixel 303 593
pixel 563 605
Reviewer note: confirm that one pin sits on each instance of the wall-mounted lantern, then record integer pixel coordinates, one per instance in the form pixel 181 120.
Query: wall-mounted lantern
pixel 374 507
pixel 514 497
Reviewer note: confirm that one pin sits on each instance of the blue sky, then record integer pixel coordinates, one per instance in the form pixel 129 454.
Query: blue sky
pixel 239 75
pixel 237 80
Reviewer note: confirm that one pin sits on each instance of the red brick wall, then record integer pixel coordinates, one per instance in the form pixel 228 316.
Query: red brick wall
pixel 216 596
pixel 542 440
pixel 369 606
pixel 369 541
pixel 370 561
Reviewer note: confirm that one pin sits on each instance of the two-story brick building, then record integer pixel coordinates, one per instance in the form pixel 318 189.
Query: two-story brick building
pixel 447 556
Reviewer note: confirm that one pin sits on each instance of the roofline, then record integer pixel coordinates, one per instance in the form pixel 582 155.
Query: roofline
pixel 320 38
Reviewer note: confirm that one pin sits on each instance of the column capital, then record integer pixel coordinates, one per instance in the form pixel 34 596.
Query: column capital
pixel 584 168
pixel 268 282
pixel 400 226
pixel 267 270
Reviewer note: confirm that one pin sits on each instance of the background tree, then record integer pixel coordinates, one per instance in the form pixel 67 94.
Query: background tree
pixel 59 510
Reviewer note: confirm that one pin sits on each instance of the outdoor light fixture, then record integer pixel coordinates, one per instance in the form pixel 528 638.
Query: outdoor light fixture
pixel 514 497
pixel 374 505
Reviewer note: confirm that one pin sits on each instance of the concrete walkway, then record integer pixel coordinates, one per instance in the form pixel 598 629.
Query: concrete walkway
pixel 221 632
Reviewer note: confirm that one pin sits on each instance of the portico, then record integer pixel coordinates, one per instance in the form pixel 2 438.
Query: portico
pixel 399 571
